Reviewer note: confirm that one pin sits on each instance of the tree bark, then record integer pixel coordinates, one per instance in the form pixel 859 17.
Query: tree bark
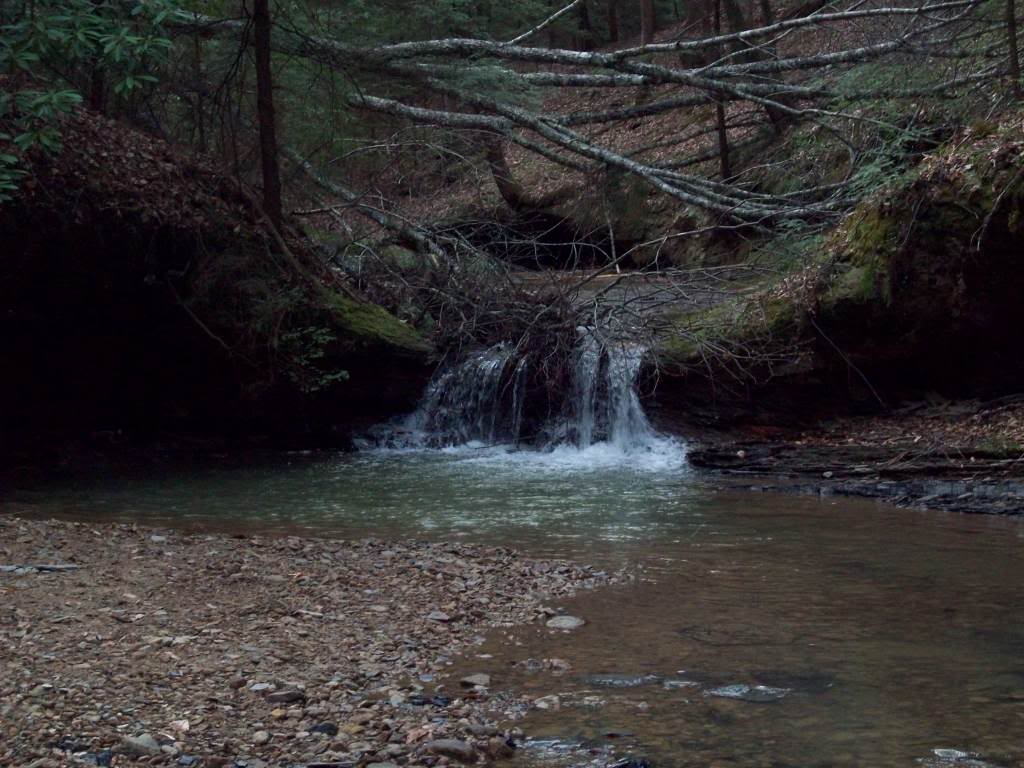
pixel 647 22
pixel 1011 38
pixel 613 21
pixel 510 189
pixel 720 118
pixel 586 29
pixel 265 113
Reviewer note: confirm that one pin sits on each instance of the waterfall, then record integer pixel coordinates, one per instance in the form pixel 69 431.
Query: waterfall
pixel 463 403
pixel 482 400
pixel 606 406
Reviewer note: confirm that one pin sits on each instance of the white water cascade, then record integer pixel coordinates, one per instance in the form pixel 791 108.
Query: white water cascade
pixel 482 401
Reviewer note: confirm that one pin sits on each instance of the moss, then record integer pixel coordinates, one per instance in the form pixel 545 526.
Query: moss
pixel 766 321
pixel 368 325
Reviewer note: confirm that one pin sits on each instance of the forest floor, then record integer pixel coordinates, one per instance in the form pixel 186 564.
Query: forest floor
pixel 956 455
pixel 144 646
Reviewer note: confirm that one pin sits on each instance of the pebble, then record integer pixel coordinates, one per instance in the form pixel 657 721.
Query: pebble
pixel 565 622
pixel 462 751
pixel 140 745
pixel 758 694
pixel 286 697
pixel 241 636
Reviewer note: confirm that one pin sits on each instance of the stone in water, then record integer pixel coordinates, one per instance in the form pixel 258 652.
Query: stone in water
pixel 565 622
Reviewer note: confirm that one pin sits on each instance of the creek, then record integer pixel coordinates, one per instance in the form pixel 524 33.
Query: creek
pixel 760 630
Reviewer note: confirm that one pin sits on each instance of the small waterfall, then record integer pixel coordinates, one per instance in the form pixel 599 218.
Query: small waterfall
pixel 586 374
pixel 606 406
pixel 463 403
pixel 483 400
pixel 518 399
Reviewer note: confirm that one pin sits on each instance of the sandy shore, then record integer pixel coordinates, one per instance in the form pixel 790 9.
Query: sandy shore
pixel 147 646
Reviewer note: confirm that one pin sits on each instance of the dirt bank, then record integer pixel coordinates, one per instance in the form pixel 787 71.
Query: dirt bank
pixel 137 645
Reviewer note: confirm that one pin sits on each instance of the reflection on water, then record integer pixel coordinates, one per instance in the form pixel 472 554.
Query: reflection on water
pixel 762 630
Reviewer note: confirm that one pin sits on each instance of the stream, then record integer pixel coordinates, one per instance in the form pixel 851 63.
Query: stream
pixel 760 629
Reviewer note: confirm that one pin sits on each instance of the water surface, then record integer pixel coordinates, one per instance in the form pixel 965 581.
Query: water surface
pixel 892 633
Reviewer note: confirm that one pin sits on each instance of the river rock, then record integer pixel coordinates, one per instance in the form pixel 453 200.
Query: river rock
pixel 565 622
pixel 327 729
pixel 954 758
pixel 251 648
pixel 621 681
pixel 462 751
pixel 758 694
pixel 499 748
pixel 472 681
pixel 140 746
pixel 286 697
pixel 673 685
pixel 548 702
pixel 439 616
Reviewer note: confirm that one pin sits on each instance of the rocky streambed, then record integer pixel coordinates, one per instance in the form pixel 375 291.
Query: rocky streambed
pixel 128 645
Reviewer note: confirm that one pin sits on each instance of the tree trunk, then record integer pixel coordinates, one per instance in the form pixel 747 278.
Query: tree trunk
pixel 646 22
pixel 265 113
pixel 613 21
pixel 767 16
pixel 198 106
pixel 98 89
pixel 733 12
pixel 510 190
pixel 586 29
pixel 720 118
pixel 1011 38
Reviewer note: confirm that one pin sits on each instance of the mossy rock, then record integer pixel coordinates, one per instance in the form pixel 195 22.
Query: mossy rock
pixel 918 288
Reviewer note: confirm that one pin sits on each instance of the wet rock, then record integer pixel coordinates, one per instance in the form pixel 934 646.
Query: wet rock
pixel 462 751
pixel 954 758
pixel 499 748
pixel 565 622
pixel 757 694
pixel 187 760
pixel 620 680
pixel 674 685
pixel 548 702
pixel 418 700
pixel 140 746
pixel 327 729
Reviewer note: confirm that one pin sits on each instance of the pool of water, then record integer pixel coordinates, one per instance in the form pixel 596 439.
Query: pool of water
pixel 889 637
